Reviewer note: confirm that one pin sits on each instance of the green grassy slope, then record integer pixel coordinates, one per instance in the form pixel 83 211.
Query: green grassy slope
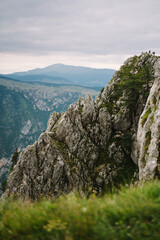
pixel 133 213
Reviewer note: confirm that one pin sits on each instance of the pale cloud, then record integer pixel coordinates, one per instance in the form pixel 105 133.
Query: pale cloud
pixel 93 32
pixel 27 62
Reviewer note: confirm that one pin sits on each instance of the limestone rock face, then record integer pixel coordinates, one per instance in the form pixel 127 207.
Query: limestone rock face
pixel 147 150
pixel 4 166
pixel 97 144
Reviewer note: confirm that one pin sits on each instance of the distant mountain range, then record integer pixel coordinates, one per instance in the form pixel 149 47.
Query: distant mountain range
pixel 66 74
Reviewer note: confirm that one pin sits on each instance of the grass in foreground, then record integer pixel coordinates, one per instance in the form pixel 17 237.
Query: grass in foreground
pixel 134 213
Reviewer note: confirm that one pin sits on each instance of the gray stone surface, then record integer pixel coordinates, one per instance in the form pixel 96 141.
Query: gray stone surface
pixel 147 145
pixel 95 144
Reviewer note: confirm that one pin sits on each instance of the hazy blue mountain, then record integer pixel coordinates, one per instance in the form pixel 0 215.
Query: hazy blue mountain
pixel 40 78
pixel 61 73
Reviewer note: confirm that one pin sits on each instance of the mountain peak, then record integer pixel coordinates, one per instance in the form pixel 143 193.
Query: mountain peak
pixel 89 77
pixel 96 145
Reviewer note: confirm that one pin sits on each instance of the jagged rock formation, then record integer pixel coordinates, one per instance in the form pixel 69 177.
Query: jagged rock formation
pixel 97 144
pixel 4 171
pixel 148 135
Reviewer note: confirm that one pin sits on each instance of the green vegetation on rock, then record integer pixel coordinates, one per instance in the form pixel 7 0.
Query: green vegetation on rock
pixel 135 78
pixel 14 159
pixel 145 116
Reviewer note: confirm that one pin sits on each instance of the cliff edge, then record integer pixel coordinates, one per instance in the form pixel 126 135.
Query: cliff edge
pixel 96 145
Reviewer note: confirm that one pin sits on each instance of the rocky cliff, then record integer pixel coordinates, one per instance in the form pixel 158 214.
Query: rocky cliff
pixel 96 145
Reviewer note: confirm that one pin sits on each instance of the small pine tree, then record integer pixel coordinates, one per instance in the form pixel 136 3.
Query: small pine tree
pixel 3 185
pixel 15 157
pixel 134 80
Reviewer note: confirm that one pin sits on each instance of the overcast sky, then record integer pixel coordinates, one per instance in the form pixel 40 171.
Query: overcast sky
pixel 95 33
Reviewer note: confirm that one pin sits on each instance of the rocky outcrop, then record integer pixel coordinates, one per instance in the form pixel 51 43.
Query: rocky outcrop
pixel 4 171
pixel 96 145
pixel 147 143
